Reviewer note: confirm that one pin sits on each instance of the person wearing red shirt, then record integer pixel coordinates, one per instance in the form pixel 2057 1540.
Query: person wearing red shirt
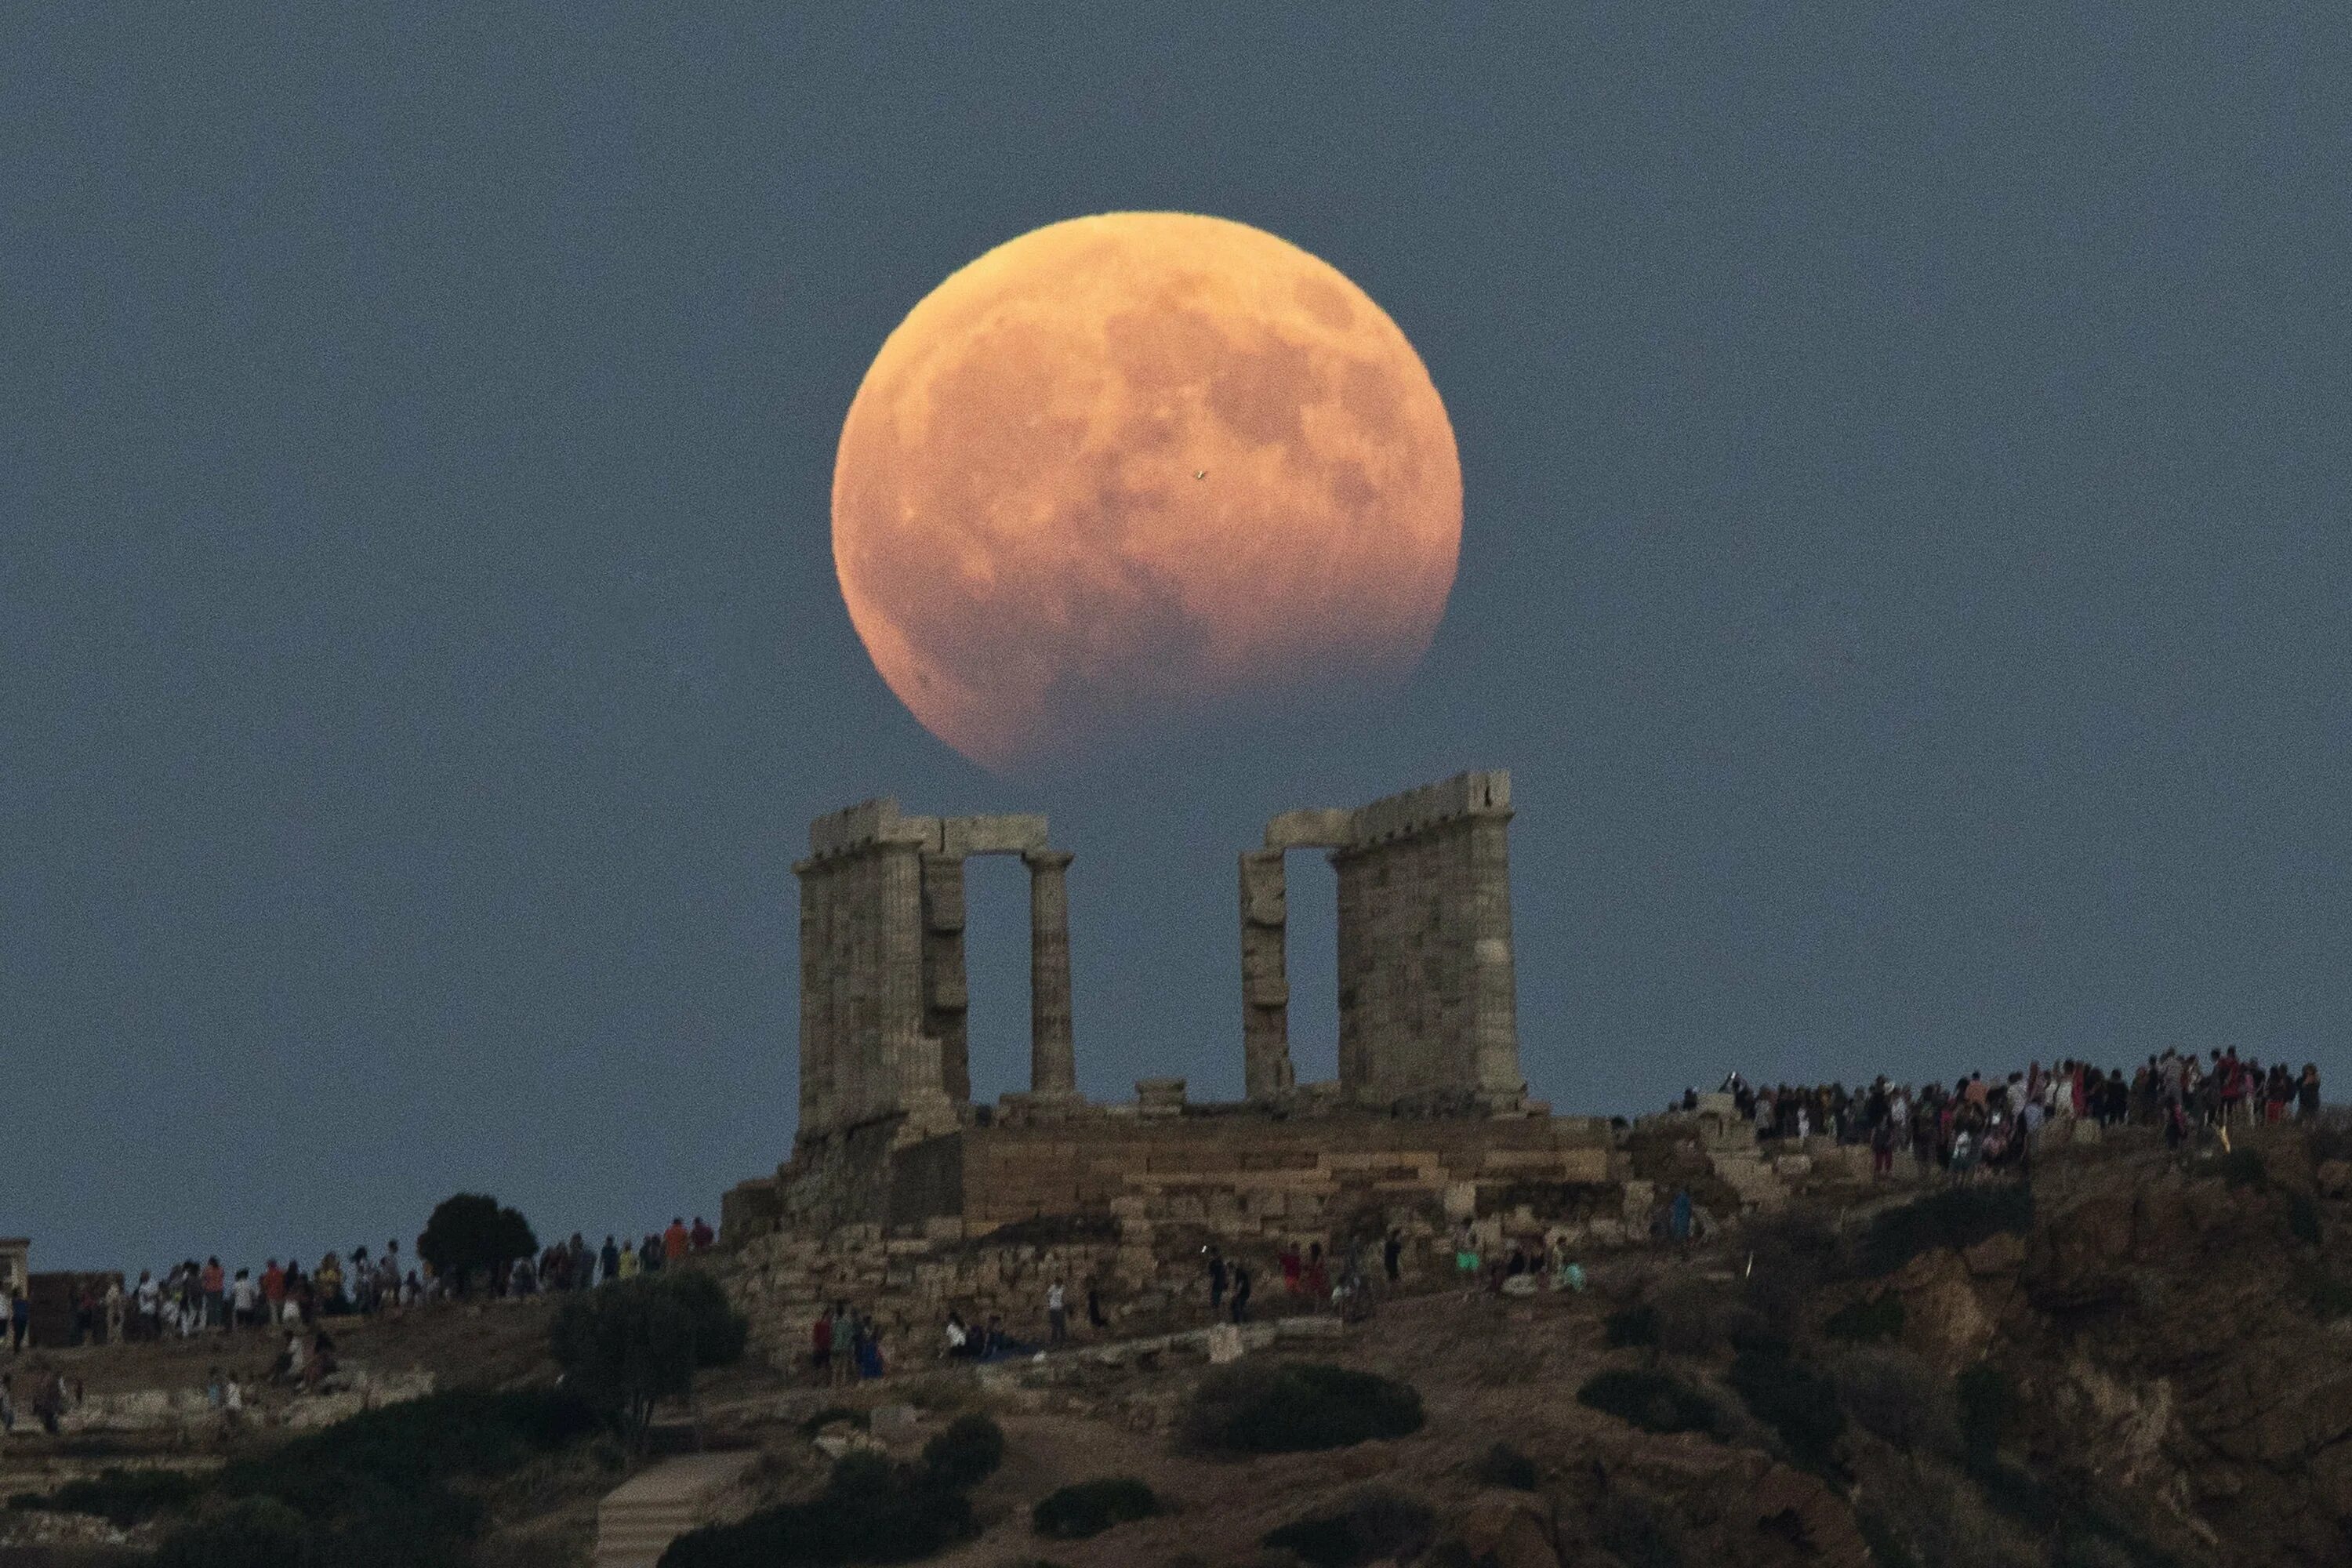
pixel 674 1240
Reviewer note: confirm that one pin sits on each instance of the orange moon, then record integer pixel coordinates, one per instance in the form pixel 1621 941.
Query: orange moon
pixel 1134 467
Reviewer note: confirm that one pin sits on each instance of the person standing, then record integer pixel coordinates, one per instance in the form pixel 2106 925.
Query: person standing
pixel 1393 1256
pixel 821 1345
pixel 609 1262
pixel 1095 1319
pixel 1057 1317
pixel 1216 1281
pixel 1241 1293
pixel 675 1240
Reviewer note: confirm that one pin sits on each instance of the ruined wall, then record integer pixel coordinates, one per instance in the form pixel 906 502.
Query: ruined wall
pixel 1428 1008
pixel 1127 1202
pixel 864 1053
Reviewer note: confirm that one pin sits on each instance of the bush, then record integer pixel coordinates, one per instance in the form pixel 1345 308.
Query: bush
pixel 1258 1409
pixel 1375 1525
pixel 2329 1297
pixel 1089 1508
pixel 870 1512
pixel 2303 1219
pixel 391 1487
pixel 1867 1321
pixel 966 1454
pixel 1988 1401
pixel 1504 1466
pixel 628 1345
pixel 1893 1395
pixel 1795 1400
pixel 1791 1254
pixel 470 1235
pixel 238 1535
pixel 1636 1531
pixel 124 1498
pixel 1633 1326
pixel 1689 1317
pixel 1954 1217
pixel 2242 1168
pixel 1652 1401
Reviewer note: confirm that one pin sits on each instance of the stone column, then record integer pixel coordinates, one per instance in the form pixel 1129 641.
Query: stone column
pixel 816 998
pixel 909 1063
pixel 1266 1070
pixel 946 995
pixel 1494 986
pixel 1053 1053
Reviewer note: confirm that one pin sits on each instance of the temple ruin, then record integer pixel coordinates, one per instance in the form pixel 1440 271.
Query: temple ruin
pixel 905 1193
pixel 1427 998
pixel 883 992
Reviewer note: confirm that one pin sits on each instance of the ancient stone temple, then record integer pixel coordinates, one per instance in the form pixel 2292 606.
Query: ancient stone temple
pixel 889 1133
pixel 904 1193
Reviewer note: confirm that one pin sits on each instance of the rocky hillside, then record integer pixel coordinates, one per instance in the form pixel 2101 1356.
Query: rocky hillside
pixel 2141 1357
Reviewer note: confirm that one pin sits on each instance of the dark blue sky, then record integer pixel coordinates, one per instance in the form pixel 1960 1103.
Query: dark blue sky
pixel 1905 563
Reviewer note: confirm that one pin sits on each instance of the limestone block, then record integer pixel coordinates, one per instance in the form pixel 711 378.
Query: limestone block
pixel 1319 827
pixel 1010 834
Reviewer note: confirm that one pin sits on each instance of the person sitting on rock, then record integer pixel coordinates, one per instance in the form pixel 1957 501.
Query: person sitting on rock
pixel 322 1361
pixel 959 1337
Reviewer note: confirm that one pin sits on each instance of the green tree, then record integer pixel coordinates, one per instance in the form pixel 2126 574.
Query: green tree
pixel 627 1346
pixel 470 1233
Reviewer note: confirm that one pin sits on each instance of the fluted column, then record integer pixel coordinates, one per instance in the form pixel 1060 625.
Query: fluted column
pixel 1053 1053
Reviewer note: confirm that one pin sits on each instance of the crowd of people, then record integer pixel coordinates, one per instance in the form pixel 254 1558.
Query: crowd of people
pixel 192 1298
pixel 1980 1123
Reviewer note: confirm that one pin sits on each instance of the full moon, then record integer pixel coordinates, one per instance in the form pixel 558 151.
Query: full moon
pixel 1136 467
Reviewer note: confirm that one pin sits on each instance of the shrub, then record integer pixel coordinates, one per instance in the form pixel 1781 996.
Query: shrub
pixel 2330 1297
pixel 1504 1466
pixel 1375 1525
pixel 2242 1168
pixel 1795 1400
pixel 1893 1395
pixel 1868 1319
pixel 1089 1508
pixel 391 1487
pixel 1954 1217
pixel 1636 1531
pixel 1791 1256
pixel 470 1233
pixel 1258 1409
pixel 1689 1317
pixel 1633 1326
pixel 2303 1219
pixel 1988 1401
pixel 870 1512
pixel 966 1454
pixel 124 1498
pixel 239 1534
pixel 1652 1401
pixel 626 1346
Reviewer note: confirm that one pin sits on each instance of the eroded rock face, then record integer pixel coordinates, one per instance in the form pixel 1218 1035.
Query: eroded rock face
pixel 2190 1363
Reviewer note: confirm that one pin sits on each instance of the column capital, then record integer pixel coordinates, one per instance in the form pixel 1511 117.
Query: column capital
pixel 1048 859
